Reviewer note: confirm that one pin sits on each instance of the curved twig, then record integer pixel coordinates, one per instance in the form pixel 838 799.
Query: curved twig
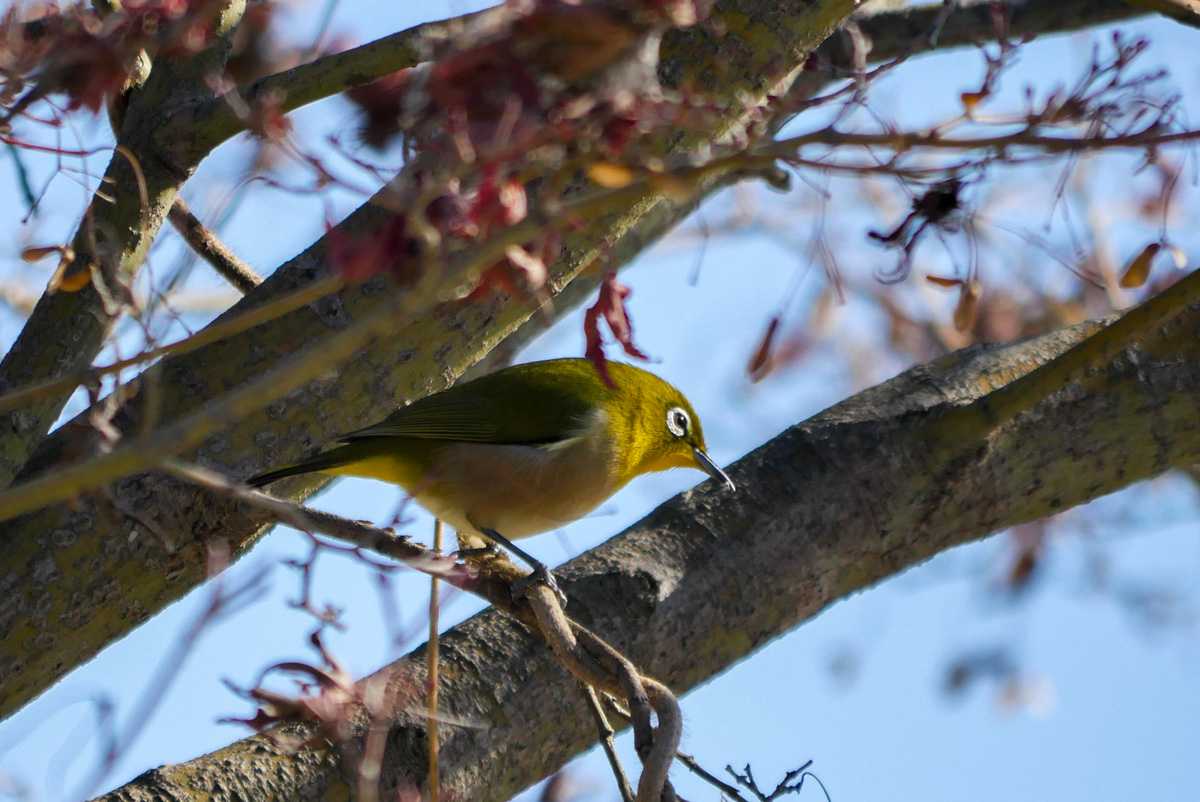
pixel 592 660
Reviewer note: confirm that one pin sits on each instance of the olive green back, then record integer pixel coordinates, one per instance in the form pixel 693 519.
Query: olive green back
pixel 531 404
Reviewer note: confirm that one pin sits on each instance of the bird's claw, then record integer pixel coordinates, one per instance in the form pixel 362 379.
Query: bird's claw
pixel 541 575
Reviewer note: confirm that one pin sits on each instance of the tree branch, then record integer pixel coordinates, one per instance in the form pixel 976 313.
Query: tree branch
pixel 419 355
pixel 825 509
pixel 1186 12
pixel 66 329
pixel 209 247
pixel 906 31
pixel 335 73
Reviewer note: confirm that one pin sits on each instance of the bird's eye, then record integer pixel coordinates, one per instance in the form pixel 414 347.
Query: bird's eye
pixel 678 422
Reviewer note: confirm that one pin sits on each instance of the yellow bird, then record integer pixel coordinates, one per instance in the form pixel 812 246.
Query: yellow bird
pixel 523 450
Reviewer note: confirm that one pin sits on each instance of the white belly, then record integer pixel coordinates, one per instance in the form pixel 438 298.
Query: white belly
pixel 517 490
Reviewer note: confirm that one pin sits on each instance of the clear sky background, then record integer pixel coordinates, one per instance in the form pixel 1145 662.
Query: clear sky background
pixel 1114 706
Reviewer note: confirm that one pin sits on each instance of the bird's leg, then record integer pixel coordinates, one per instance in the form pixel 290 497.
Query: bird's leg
pixel 541 574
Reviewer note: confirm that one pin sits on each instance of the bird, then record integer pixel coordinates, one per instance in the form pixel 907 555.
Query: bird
pixel 523 450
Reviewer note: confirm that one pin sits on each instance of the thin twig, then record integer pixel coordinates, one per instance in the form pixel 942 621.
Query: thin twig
pixel 220 330
pixel 432 662
pixel 208 245
pixel 606 740
pixel 695 768
pixel 361 535
pixel 592 660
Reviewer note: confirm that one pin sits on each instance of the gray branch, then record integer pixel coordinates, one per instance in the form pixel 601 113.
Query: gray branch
pixel 827 508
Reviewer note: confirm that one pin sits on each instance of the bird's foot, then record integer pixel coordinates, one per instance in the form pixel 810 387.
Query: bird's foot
pixel 490 550
pixel 541 576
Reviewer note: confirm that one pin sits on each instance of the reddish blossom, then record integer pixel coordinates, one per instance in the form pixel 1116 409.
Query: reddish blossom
pixel 610 305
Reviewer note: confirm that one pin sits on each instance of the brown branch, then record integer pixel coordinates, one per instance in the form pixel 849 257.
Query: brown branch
pixel 606 733
pixel 604 668
pixel 1186 12
pixel 335 73
pixel 381 541
pixel 859 470
pixel 67 329
pixel 209 247
pixel 432 662
pixel 904 141
pixel 907 31
pixel 597 664
pixel 411 363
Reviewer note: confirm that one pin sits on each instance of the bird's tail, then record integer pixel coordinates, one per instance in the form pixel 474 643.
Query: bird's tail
pixel 320 462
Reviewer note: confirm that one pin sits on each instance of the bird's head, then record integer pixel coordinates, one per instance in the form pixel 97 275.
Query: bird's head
pixel 662 429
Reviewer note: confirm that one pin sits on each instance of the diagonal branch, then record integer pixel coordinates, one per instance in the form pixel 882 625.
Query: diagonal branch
pixel 209 247
pixel 36 649
pixel 1186 12
pixel 335 73
pixel 893 33
pixel 418 355
pixel 830 506
pixel 67 329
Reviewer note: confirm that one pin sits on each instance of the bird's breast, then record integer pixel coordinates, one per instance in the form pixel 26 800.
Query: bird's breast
pixel 515 489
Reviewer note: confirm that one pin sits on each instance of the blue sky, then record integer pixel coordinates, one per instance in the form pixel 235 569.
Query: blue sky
pixel 1117 712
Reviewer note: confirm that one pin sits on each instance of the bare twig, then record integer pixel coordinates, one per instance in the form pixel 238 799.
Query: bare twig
pixel 606 740
pixel 217 331
pixel 432 662
pixel 208 245
pixel 595 662
pixel 792 782
pixel 361 535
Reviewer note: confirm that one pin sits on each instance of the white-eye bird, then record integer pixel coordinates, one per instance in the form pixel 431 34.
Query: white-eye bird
pixel 523 450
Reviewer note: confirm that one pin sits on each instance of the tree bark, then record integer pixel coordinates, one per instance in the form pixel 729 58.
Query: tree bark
pixel 825 509
pixel 66 330
pixel 85 574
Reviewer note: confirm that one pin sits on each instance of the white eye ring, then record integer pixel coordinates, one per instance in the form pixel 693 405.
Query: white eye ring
pixel 678 421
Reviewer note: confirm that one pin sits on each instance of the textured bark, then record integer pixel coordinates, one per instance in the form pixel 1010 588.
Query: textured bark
pixel 825 509
pixel 66 330
pixel 1183 11
pixel 78 577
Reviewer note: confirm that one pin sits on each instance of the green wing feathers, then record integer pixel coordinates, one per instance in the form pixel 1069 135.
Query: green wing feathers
pixel 531 404
pixel 536 403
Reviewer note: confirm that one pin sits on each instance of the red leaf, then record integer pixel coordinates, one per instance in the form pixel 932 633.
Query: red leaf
pixel 760 363
pixel 610 305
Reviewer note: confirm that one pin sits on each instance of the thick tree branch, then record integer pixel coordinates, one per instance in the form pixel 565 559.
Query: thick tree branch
pixel 335 73
pixel 66 329
pixel 69 631
pixel 1186 12
pixel 56 616
pixel 907 31
pixel 829 507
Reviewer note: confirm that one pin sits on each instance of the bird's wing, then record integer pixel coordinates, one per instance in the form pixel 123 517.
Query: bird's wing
pixel 527 404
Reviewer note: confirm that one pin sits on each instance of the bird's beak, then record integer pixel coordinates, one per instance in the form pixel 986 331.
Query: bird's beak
pixel 706 464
